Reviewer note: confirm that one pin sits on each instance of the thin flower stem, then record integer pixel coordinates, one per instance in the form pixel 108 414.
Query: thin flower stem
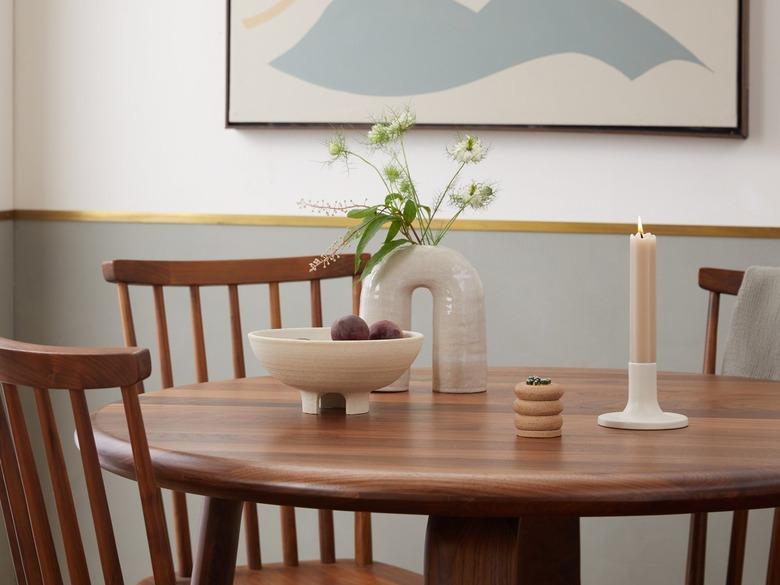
pixel 443 197
pixel 447 227
pixel 416 235
pixel 373 166
pixel 414 190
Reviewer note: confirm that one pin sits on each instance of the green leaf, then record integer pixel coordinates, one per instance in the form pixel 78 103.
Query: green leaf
pixel 392 197
pixel 381 253
pixel 393 230
pixel 410 211
pixel 368 233
pixel 361 213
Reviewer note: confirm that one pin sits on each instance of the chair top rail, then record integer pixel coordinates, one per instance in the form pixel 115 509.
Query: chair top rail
pixel 224 272
pixel 720 280
pixel 43 366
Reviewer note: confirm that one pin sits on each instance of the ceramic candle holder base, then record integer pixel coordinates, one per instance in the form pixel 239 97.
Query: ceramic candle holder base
pixel 642 411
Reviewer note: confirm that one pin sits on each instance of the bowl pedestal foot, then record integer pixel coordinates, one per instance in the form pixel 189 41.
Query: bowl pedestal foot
pixel 352 403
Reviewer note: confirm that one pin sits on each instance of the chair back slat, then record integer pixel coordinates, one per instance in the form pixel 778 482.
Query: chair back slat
pixel 154 512
pixel 20 528
pixel 327 537
pixel 63 495
pixel 316 304
pixel 126 314
pixel 27 522
pixel 251 521
pixel 254 558
pixel 163 344
pixel 180 515
pixel 44 542
pixel 199 339
pixel 275 305
pixel 236 335
pixel 232 274
pixel 773 568
pixel 711 335
pixel 13 539
pixel 181 529
pixel 98 502
pixel 289 536
pixel 363 545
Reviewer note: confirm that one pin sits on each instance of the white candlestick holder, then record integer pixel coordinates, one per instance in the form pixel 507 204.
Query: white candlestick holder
pixel 643 412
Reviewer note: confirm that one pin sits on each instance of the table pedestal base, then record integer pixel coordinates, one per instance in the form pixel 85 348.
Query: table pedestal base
pixel 215 560
pixel 535 550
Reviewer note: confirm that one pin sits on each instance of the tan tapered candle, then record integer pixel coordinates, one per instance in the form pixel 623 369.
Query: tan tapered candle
pixel 642 344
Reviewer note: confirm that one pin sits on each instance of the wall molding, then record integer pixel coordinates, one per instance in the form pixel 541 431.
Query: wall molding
pixel 475 225
pixel 6 214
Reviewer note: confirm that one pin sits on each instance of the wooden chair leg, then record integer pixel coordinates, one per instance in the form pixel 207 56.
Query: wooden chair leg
pixel 697 550
pixel 773 570
pixel 737 548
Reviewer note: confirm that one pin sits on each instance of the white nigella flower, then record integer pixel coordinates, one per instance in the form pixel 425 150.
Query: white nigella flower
pixel 468 150
pixel 337 147
pixel 379 135
pixel 476 196
pixel 402 122
pixel 392 174
pixel 391 128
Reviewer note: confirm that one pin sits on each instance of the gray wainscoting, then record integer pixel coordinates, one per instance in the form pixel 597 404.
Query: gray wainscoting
pixel 6 278
pixel 552 299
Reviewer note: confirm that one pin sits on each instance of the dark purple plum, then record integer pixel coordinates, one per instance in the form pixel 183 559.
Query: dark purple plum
pixel 385 330
pixel 349 328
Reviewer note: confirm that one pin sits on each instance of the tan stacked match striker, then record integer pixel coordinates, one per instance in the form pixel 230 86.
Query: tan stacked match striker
pixel 538 408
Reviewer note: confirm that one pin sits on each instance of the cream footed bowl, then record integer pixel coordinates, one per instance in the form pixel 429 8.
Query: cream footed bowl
pixel 329 373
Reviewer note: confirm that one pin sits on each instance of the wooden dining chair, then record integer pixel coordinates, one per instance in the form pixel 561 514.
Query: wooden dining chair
pixel 230 275
pixel 40 369
pixel 719 282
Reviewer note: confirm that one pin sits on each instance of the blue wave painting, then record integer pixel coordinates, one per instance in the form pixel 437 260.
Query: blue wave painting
pixel 409 47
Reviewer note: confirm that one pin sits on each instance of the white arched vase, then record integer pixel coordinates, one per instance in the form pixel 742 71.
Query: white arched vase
pixel 459 347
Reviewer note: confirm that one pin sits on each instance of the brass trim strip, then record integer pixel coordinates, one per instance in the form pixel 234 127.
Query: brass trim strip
pixel 473 225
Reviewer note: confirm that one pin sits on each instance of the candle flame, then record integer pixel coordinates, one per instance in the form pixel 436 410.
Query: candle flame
pixel 639 228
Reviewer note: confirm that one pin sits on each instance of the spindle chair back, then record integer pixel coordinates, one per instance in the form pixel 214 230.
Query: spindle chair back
pixel 230 274
pixel 717 282
pixel 42 369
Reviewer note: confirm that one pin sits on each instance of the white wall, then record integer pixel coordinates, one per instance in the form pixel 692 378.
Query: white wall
pixel 120 107
pixel 6 103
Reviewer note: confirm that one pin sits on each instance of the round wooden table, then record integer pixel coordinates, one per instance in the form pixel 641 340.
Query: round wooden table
pixel 501 509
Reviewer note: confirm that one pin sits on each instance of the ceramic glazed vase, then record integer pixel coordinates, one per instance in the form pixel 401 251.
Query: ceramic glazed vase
pixel 459 349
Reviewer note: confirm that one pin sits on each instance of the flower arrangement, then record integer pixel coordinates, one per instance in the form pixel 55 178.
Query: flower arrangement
pixel 408 221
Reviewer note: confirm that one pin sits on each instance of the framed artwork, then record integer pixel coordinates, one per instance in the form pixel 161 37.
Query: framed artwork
pixel 654 66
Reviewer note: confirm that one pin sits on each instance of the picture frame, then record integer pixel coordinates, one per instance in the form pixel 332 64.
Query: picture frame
pixel 246 76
